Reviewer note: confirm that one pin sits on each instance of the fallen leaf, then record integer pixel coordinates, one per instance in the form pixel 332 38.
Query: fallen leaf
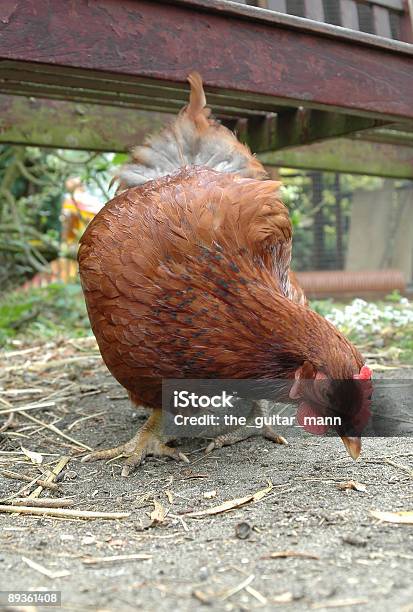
pixel 286 597
pixel 201 596
pixel 405 517
pixel 34 457
pixel 209 494
pixel 46 572
pixel 352 484
pixel 283 554
pixel 232 503
pixel 142 499
pixel 158 513
pixel 170 496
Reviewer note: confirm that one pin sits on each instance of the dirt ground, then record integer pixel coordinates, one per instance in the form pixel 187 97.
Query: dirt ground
pixel 215 562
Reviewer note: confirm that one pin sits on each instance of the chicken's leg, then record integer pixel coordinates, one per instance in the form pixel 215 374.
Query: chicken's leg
pixel 147 441
pixel 260 408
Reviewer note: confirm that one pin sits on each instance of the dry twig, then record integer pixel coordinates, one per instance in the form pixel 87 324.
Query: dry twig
pixel 44 502
pixel 61 464
pixel 62 512
pixel 14 476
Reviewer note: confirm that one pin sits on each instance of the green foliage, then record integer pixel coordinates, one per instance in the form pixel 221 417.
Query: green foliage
pixel 383 327
pixel 47 312
pixel 32 186
pixel 120 158
pixel 323 307
pixel 394 296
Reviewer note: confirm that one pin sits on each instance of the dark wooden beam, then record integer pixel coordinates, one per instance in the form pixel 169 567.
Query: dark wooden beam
pixel 349 156
pixel 102 50
pixel 301 126
pixel 61 124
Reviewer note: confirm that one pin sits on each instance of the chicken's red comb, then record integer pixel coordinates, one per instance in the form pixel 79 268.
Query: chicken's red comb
pixel 365 374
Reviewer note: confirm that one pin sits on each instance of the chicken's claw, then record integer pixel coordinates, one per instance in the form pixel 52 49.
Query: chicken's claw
pixel 147 441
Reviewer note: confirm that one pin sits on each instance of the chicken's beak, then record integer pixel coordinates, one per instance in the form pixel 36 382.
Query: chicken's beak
pixel 353 446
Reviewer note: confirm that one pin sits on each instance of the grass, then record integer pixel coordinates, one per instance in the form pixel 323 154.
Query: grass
pixel 43 313
pixel 58 310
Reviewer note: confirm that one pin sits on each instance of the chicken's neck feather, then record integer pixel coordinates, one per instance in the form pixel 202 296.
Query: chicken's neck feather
pixel 234 313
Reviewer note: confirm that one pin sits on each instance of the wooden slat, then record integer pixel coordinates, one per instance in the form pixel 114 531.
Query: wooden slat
pixel 385 135
pixel 349 14
pixel 294 23
pixel 381 20
pixel 290 66
pixel 69 125
pixel 303 126
pixel 277 5
pixel 314 10
pixel 346 155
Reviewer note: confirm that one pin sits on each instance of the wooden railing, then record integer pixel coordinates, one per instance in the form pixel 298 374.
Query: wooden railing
pixel 387 18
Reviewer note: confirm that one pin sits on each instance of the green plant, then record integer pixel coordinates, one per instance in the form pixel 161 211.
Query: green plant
pixel 56 310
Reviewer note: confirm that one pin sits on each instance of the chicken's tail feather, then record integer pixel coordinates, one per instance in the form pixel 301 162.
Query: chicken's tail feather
pixel 192 140
pixel 196 110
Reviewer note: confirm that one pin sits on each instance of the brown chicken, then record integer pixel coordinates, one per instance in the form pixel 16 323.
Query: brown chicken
pixel 186 275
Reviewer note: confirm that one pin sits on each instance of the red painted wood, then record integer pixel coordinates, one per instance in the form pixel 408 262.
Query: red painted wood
pixel 160 40
pixel 406 22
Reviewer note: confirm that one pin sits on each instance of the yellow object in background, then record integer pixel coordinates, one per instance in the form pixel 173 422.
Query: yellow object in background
pixel 78 209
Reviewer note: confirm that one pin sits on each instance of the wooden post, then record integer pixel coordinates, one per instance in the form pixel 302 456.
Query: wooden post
pixel 339 223
pixel 318 226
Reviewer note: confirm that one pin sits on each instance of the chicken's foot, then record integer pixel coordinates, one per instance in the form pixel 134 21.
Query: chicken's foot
pixel 244 432
pixel 147 441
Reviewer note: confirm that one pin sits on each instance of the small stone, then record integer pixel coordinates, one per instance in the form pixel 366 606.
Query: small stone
pixel 69 475
pixel 243 530
pixel 354 540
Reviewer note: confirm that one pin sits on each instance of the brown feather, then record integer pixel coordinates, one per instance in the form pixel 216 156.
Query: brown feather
pixel 187 276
